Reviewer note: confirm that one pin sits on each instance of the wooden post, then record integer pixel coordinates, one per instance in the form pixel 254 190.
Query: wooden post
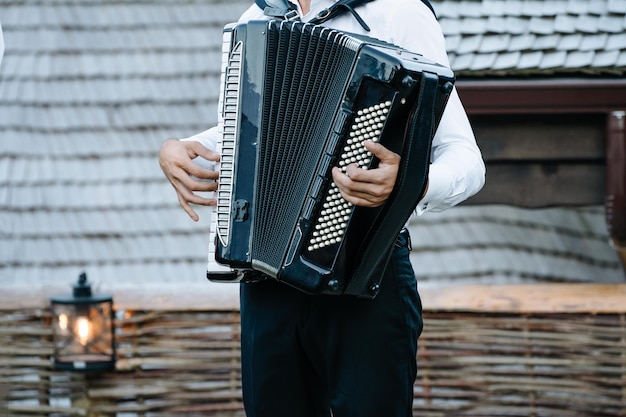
pixel 615 193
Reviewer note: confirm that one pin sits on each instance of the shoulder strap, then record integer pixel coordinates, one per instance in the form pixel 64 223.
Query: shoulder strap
pixel 288 10
pixel 339 7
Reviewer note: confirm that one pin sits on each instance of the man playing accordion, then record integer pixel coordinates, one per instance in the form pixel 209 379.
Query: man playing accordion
pixel 321 355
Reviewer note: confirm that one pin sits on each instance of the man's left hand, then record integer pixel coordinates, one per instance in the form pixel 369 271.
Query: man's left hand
pixel 369 188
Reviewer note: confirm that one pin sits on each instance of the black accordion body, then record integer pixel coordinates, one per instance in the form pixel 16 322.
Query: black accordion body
pixel 296 100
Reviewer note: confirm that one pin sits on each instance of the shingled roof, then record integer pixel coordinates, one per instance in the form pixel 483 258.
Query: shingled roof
pixel 535 37
pixel 89 90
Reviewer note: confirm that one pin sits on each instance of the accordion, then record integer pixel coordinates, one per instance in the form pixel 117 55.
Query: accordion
pixel 297 99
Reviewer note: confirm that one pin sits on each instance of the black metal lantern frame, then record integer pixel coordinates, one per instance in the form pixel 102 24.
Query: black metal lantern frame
pixel 83 330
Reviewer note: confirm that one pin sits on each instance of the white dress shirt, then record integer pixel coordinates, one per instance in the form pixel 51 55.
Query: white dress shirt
pixel 457 170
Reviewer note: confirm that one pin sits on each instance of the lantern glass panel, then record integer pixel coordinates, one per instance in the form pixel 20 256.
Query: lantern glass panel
pixel 83 335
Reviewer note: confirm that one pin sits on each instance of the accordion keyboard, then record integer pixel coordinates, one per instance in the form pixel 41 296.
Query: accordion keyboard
pixel 329 227
pixel 229 103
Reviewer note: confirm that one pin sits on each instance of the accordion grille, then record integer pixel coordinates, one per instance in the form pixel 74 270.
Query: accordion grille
pixel 307 71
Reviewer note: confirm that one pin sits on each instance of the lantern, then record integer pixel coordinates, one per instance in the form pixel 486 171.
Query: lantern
pixel 83 332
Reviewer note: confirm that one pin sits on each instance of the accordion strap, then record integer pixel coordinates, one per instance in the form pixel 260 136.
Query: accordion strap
pixel 407 192
pixel 289 11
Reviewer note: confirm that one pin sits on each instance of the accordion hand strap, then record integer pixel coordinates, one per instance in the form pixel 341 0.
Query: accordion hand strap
pixel 409 188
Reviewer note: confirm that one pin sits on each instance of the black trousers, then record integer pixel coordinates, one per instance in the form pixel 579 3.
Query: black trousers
pixel 303 355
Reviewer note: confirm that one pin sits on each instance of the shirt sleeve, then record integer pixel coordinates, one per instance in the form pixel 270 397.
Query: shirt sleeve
pixel 457 170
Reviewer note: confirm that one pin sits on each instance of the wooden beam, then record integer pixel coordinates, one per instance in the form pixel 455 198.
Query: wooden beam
pixel 526 298
pixel 479 298
pixel 542 96
pixel 200 296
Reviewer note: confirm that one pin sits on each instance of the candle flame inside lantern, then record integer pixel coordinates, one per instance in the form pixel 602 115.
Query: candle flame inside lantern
pixel 83 329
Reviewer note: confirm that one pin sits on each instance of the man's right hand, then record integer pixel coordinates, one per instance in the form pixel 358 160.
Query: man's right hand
pixel 176 160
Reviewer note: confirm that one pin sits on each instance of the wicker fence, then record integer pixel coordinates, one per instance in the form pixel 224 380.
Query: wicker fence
pixel 185 362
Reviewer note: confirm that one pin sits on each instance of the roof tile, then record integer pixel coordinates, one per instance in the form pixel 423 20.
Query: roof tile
pixel 541 26
pixel 450 26
pixel 594 42
pixel 586 23
pixel 565 23
pixel 598 7
pixel 473 9
pixel 554 59
pixel 579 59
pixel 612 24
pixel 497 24
pixel 516 25
pixel 447 10
pixel 553 7
pixel 494 8
pixel 546 42
pixel 470 44
pixel 462 62
pixel 570 42
pixel 616 6
pixel 483 61
pixel 514 7
pixel 530 60
pixel 507 61
pixel 522 43
pixel 473 26
pixel 616 41
pixel 494 43
pixel 577 7
pixel 606 59
pixel 452 43
pixel 532 8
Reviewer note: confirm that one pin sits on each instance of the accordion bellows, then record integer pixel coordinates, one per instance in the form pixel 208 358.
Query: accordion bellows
pixel 296 100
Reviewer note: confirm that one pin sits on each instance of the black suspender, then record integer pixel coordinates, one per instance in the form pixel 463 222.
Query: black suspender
pixel 288 10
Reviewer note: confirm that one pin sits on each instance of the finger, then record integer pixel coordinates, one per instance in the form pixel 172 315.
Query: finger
pixel 195 148
pixel 199 174
pixel 352 180
pixel 176 155
pixel 382 153
pixel 190 197
pixel 356 192
pixel 200 186
pixel 352 171
pixel 362 199
pixel 186 198
pixel 182 181
pixel 364 180
pixel 190 211
pixel 191 168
